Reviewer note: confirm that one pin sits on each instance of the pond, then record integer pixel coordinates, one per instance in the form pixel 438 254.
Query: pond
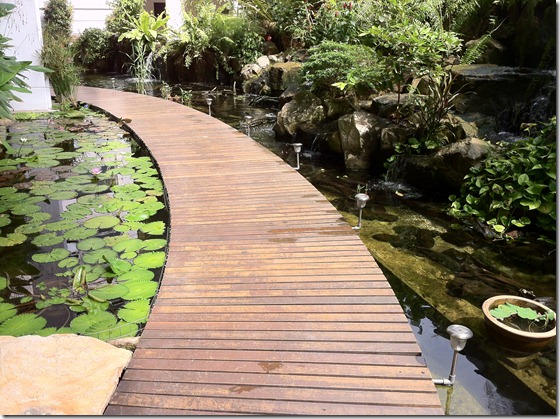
pixel 427 259
pixel 82 215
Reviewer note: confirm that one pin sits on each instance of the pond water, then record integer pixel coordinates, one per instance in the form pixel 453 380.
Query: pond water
pixel 83 228
pixel 433 266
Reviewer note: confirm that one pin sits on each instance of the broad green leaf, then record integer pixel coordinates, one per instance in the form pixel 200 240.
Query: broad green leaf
pixel 140 289
pixel 154 244
pixel 79 233
pixel 136 275
pixel 53 256
pixel 12 239
pixel 22 324
pixel 7 311
pixel 135 311
pixel 85 322
pixel 99 255
pixel 130 245
pixel 150 260
pixel 102 222
pixel 48 239
pixel 155 228
pixel 93 243
pixel 109 292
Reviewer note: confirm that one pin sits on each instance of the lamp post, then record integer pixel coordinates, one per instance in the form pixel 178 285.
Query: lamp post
pixel 361 199
pixel 297 149
pixel 458 339
pixel 209 103
pixel 248 123
pixel 113 82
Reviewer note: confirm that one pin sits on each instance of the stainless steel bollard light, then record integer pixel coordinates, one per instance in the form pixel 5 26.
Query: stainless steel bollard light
pixel 458 339
pixel 248 123
pixel 361 200
pixel 297 149
pixel 209 103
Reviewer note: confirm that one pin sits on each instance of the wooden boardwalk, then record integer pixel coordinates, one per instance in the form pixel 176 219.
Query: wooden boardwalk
pixel 270 303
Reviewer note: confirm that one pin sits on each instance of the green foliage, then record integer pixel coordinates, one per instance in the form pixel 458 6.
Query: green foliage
pixel 515 188
pixel 410 47
pixel 120 19
pixel 57 55
pixel 351 67
pixel 11 71
pixel 58 18
pixel 22 324
pixel 92 45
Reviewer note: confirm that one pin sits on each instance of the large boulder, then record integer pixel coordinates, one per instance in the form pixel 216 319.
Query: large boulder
pixel 360 134
pixel 304 108
pixel 386 105
pixel 58 375
pixel 282 75
pixel 443 171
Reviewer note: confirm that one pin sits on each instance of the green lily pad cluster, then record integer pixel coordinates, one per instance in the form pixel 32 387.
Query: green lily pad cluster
pixel 85 205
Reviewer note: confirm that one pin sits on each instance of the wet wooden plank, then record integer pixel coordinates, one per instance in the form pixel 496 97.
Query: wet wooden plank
pixel 269 303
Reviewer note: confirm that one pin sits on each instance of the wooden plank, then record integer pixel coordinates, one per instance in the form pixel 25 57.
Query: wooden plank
pixel 269 303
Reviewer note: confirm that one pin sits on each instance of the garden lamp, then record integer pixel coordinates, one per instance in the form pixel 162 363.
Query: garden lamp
pixel 458 339
pixel 113 82
pixel 361 199
pixel 209 103
pixel 248 123
pixel 297 149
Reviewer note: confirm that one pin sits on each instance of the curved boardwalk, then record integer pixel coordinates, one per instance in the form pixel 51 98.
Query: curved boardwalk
pixel 270 303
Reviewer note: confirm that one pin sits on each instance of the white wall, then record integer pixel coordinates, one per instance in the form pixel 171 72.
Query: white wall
pixel 23 26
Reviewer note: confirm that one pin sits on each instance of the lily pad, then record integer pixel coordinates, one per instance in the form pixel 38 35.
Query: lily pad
pixel 3 283
pixel 140 289
pixel 76 212
pixel 68 263
pixel 154 244
pixel 48 239
pixel 39 217
pixel 53 256
pixel 29 228
pixel 135 311
pixel 95 321
pixel 7 311
pixel 60 225
pixel 12 239
pixel 79 233
pixel 22 324
pixel 150 260
pixel 99 255
pixel 4 220
pixel 102 222
pixel 136 275
pixel 93 243
pixel 155 228
pixel 25 209
pixel 130 245
pixel 109 292
pixel 62 195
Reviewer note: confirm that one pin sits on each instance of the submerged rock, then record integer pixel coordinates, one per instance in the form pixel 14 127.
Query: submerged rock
pixel 58 375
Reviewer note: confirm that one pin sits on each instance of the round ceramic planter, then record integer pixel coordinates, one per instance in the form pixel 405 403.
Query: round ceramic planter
pixel 511 338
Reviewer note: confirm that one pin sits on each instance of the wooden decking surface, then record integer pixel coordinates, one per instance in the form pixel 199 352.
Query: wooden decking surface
pixel 270 303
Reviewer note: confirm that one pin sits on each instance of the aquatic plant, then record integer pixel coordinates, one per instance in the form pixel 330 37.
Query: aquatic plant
pixel 515 187
pixel 103 249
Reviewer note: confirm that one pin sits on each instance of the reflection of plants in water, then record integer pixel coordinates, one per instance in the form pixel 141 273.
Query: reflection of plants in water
pixel 101 248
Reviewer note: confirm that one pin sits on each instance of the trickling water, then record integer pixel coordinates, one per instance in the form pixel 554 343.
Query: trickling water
pixel 414 242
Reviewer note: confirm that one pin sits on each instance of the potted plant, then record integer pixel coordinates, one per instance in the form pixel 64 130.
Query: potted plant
pixel 519 323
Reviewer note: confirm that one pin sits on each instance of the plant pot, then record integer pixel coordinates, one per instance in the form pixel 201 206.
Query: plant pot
pixel 510 337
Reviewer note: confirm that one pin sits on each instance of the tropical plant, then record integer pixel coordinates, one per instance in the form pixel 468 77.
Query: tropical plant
pixel 120 19
pixel 515 187
pixel 409 46
pixel 11 77
pixel 535 320
pixel 92 45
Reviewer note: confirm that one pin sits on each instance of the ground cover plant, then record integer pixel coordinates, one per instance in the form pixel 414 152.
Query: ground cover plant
pixel 81 230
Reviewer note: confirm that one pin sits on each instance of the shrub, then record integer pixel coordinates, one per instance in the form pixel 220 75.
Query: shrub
pixel 92 45
pixel 58 18
pixel 516 187
pixel 355 67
